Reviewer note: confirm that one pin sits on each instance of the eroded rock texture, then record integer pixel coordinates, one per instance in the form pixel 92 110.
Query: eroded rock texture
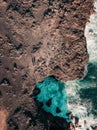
pixel 39 38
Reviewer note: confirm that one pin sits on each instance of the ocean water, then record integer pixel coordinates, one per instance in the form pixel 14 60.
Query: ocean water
pixel 53 96
pixel 78 96
pixel 82 94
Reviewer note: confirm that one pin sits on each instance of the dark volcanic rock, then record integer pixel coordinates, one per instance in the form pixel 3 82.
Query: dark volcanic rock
pixel 58 110
pixel 36 91
pixel 48 103
pixel 59 124
pixel 94 126
pixel 39 38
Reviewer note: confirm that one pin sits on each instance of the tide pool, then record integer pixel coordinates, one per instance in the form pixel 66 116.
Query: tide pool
pixel 78 96
pixel 53 96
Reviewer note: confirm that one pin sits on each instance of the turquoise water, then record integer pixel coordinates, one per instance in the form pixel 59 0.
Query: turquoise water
pixel 54 91
pixel 79 96
pixel 82 93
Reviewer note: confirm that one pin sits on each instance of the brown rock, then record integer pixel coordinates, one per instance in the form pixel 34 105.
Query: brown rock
pixel 39 38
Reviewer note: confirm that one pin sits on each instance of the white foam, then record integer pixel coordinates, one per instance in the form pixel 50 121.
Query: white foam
pixel 75 104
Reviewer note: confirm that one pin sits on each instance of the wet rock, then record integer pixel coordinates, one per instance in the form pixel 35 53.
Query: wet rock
pixel 39 104
pixel 48 103
pixel 36 91
pixel 94 126
pixel 58 110
pixel 59 123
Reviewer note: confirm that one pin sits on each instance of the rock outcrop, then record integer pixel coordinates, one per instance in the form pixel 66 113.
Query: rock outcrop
pixel 39 38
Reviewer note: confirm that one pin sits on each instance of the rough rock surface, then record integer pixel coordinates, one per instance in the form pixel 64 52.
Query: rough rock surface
pixel 39 38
